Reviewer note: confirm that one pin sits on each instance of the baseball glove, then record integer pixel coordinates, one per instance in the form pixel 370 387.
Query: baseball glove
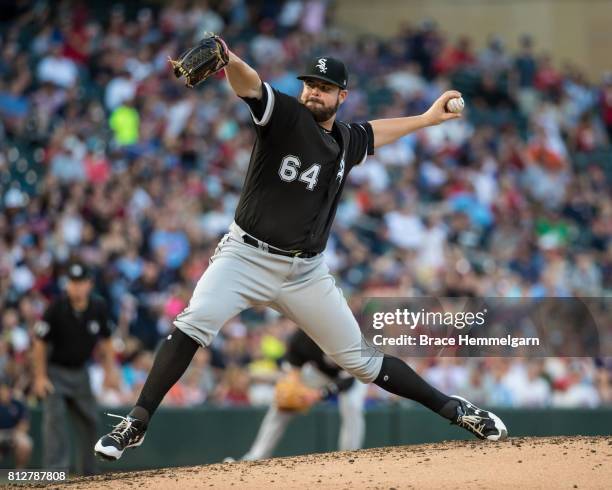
pixel 294 396
pixel 203 60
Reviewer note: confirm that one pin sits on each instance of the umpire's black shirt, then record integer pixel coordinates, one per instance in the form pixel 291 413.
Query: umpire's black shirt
pixel 296 175
pixel 71 335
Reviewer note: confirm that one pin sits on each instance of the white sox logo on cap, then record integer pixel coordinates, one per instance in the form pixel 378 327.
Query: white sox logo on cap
pixel 321 65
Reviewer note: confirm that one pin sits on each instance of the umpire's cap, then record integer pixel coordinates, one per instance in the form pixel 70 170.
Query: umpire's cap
pixel 328 69
pixel 77 271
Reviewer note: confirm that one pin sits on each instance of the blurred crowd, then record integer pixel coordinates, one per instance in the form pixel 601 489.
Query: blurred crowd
pixel 105 156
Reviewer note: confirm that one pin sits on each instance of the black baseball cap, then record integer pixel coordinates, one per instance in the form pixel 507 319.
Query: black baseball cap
pixel 328 69
pixel 77 271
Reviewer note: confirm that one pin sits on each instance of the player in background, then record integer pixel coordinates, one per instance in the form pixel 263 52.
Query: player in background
pixel 309 364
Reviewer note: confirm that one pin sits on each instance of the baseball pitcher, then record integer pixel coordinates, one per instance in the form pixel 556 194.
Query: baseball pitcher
pixel 272 254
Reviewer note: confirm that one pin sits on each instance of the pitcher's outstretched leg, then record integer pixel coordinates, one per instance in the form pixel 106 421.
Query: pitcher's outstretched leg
pixel 170 363
pixel 399 378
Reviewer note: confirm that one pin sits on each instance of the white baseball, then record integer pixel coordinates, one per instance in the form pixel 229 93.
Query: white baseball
pixel 455 105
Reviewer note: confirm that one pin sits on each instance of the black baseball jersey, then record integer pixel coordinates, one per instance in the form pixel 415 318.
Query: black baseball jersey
pixel 302 349
pixel 297 172
pixel 70 335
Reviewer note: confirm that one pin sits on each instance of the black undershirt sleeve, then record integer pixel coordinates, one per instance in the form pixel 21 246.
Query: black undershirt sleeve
pixel 339 385
pixel 297 346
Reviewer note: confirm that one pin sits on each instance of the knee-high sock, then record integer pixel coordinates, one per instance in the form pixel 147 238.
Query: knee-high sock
pixel 400 379
pixel 170 363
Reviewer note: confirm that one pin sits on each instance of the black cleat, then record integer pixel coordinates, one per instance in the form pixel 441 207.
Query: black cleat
pixel 130 432
pixel 483 424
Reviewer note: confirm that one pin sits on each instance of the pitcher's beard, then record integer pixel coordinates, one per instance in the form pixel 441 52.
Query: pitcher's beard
pixel 321 113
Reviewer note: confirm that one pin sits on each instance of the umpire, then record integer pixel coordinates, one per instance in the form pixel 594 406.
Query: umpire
pixel 63 344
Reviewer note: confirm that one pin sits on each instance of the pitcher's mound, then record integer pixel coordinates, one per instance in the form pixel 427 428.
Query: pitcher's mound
pixel 558 462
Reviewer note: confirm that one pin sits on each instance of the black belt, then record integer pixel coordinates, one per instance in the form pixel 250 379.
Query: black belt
pixel 253 242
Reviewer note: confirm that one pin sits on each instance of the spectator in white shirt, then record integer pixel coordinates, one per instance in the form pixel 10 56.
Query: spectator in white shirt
pixel 57 69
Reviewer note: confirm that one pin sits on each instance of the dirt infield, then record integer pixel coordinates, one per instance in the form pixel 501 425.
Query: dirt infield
pixel 559 462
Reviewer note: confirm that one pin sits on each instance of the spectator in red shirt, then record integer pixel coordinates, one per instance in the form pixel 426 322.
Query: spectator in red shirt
pixel 454 57
pixel 548 78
